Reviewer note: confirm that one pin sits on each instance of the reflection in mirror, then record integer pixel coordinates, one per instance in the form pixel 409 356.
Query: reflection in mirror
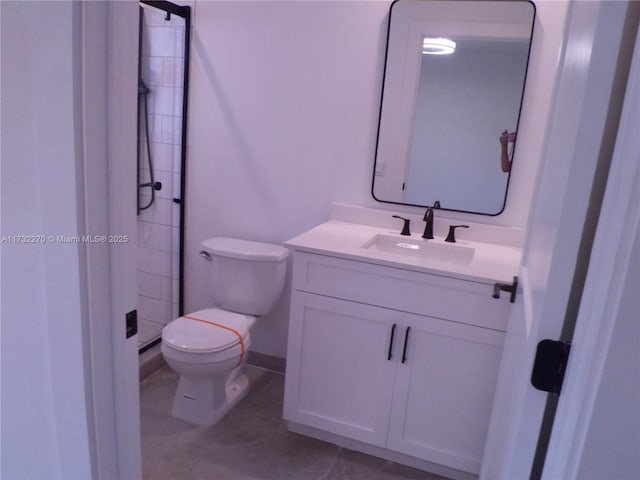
pixel 448 120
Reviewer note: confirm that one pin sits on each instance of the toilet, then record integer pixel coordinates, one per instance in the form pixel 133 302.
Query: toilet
pixel 209 348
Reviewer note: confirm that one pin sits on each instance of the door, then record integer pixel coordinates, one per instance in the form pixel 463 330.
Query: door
pixel 596 431
pixel 444 391
pixel 339 369
pixel 577 141
pixel 122 94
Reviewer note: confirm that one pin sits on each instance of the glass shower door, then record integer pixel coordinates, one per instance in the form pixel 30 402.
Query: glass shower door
pixel 162 84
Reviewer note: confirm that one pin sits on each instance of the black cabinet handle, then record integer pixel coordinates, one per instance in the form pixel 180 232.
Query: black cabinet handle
pixel 406 341
pixel 393 331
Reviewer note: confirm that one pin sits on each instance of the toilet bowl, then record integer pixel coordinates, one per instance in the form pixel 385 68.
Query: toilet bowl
pixel 208 348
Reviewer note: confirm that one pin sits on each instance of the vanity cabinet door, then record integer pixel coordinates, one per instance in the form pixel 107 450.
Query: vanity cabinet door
pixel 339 378
pixel 444 391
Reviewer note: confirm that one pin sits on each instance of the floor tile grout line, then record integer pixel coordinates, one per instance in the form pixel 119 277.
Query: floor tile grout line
pixel 333 464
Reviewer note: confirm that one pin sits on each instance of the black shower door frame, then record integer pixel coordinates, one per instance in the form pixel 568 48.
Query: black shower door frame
pixel 184 12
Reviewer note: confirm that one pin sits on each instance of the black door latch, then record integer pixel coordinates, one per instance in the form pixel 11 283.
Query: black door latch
pixel 131 319
pixel 505 287
pixel 549 366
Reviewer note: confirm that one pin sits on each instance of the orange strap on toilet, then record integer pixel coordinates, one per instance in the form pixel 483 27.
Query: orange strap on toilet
pixel 226 328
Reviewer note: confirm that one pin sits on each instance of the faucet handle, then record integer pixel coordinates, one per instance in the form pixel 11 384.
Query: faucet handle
pixel 451 237
pixel 405 225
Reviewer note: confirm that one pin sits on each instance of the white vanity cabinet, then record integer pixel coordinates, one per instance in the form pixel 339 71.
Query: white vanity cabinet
pixel 393 358
pixel 338 376
pixel 443 392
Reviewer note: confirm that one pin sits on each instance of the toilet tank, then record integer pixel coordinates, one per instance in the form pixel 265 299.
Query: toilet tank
pixel 244 276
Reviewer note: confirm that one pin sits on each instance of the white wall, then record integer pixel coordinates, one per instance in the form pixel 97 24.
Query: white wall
pixel 44 410
pixel 283 115
pixel 284 103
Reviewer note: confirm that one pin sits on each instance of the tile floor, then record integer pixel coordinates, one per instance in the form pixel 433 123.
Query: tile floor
pixel 252 442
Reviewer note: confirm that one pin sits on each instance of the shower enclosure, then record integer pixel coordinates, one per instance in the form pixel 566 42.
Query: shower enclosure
pixel 162 101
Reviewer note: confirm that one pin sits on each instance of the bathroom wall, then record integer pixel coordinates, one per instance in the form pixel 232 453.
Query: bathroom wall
pixel 284 105
pixel 162 58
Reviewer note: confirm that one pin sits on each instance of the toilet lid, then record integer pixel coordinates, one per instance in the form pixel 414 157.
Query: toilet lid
pixel 199 334
pixel 245 249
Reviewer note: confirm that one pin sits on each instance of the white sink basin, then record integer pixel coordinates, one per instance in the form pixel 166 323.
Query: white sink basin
pixel 421 248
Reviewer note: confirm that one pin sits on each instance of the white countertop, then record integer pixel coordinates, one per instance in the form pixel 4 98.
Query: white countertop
pixel 490 263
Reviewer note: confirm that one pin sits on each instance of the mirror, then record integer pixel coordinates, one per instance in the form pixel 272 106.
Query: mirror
pixel 448 121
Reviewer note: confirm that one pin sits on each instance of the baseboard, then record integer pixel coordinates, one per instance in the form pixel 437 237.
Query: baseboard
pixel 392 456
pixel 268 362
pixel 151 361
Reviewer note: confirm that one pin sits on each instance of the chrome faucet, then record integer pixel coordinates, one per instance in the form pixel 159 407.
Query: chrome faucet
pixel 428 217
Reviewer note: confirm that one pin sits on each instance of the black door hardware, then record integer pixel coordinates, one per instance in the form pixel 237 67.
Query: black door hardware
pixel 405 225
pixel 549 366
pixel 513 288
pixel 131 320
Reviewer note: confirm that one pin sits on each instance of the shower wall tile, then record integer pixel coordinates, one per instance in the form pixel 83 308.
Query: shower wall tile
pixel 157 286
pixel 155 128
pixel 161 101
pixel 154 261
pixel 153 17
pixel 157 262
pixel 148 330
pixel 153 286
pixel 176 185
pixel 162 154
pixel 177 157
pixel 163 211
pixel 166 157
pixel 152 70
pixel 162 42
pixel 166 178
pixel 175 266
pixel 165 129
pixel 156 310
pixel 178 93
pixel 158 237
pixel 167 126
pixel 175 289
pixel 173 71
pixel 160 71
pixel 177 130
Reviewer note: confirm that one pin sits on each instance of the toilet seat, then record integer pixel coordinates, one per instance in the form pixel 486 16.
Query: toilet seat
pixel 207 331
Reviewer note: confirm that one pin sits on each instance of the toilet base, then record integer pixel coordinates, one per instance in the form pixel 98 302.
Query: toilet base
pixel 205 401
